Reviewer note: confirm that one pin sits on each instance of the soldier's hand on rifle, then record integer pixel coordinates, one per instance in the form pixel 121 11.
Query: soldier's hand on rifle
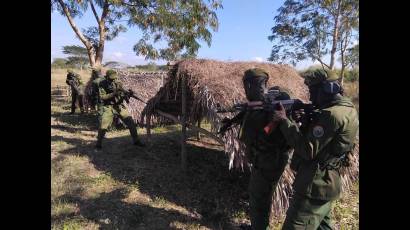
pixel 298 114
pixel 279 114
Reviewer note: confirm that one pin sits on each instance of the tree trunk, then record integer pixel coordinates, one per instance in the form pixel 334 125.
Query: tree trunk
pixel 84 40
pixel 335 37
pixel 101 28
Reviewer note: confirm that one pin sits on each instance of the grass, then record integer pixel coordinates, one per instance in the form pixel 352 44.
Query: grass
pixel 127 187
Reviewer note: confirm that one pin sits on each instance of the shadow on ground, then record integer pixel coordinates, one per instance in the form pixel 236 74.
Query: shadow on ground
pixel 111 212
pixel 207 188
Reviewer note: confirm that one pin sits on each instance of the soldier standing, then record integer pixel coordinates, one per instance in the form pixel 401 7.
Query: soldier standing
pixel 77 90
pixel 321 148
pixel 111 99
pixel 266 149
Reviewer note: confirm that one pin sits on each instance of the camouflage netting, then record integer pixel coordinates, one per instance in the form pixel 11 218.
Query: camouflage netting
pixel 145 85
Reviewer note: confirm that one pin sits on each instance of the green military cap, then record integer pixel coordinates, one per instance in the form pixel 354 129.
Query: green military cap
pixel 254 73
pixel 111 74
pixel 70 71
pixel 317 76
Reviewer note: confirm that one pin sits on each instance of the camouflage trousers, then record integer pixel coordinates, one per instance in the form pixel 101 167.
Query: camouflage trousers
pixel 106 116
pixel 74 98
pixel 307 214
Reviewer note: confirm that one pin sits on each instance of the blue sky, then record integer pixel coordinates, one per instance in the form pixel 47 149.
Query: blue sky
pixel 244 26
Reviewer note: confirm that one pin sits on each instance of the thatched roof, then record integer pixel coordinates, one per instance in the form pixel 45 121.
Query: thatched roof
pixel 213 82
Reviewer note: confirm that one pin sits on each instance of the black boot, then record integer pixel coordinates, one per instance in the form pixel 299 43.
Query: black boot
pixel 100 137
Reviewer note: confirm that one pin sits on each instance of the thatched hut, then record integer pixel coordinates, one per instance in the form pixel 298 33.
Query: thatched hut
pixel 208 83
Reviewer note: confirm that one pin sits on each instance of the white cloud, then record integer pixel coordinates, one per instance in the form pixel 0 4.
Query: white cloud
pixel 258 59
pixel 118 54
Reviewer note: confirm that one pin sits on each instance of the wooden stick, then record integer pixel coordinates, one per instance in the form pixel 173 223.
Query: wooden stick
pixel 193 127
pixel 183 121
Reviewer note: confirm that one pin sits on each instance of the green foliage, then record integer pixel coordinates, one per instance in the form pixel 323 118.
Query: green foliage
pixel 59 63
pixel 352 56
pixel 78 55
pixel 304 29
pixel 352 75
pixel 180 23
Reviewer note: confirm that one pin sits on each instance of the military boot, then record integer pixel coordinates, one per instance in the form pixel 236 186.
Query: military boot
pixel 133 131
pixel 100 137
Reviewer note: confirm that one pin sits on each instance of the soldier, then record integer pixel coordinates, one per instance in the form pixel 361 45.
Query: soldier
pixel 266 149
pixel 96 77
pixel 112 104
pixel 77 90
pixel 321 148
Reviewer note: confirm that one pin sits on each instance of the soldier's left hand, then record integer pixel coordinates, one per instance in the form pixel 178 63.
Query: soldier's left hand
pixel 280 113
pixel 298 114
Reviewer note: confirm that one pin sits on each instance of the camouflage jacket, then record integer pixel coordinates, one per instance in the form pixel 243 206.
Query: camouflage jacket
pixel 74 81
pixel 329 135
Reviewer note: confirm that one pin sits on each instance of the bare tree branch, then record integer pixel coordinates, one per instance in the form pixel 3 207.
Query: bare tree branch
pixel 94 11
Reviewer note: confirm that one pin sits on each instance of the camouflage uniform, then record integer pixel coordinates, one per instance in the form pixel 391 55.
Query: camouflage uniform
pixel 268 152
pixel 111 105
pixel 319 148
pixel 77 90
pixel 96 77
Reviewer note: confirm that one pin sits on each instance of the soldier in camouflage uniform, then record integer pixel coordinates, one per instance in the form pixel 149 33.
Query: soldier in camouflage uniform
pixel 77 90
pixel 96 77
pixel 266 150
pixel 112 104
pixel 321 147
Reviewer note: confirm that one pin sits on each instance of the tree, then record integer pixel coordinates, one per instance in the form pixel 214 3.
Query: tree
pixel 182 23
pixel 59 63
pixel 352 57
pixel 313 29
pixel 78 55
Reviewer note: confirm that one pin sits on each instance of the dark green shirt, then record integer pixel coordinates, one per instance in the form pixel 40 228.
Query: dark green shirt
pixel 332 133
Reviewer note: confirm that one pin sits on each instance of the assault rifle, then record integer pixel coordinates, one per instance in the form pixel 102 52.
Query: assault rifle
pixel 127 94
pixel 269 105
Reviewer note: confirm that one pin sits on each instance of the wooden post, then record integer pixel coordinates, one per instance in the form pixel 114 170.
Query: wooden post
pixel 183 120
pixel 193 127
pixel 149 126
pixel 198 134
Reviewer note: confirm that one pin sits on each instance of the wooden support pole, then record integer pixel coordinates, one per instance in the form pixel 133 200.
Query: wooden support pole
pixel 198 134
pixel 183 121
pixel 193 127
pixel 149 126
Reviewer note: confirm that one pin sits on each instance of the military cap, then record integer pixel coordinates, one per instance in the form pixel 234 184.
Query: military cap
pixel 111 74
pixel 255 73
pixel 317 76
